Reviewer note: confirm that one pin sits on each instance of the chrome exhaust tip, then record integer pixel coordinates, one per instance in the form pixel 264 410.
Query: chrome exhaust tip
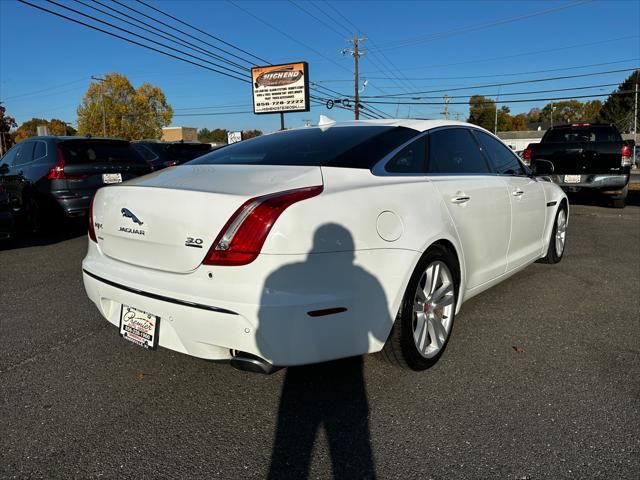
pixel 251 363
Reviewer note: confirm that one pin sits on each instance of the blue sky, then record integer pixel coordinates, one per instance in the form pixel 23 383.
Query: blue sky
pixel 46 62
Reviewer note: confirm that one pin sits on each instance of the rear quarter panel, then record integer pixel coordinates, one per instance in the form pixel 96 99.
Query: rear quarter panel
pixel 354 212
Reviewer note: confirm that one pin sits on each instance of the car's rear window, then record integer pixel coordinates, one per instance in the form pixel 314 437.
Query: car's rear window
pixel 350 147
pixel 97 151
pixel 591 133
pixel 183 152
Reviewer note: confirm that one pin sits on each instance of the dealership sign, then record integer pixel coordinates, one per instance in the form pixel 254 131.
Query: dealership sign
pixel 281 88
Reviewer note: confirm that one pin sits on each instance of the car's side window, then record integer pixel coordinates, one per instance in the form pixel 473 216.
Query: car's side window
pixel 145 152
pixel 40 150
pixel 454 151
pixel 503 159
pixel 10 156
pixel 411 159
pixel 24 155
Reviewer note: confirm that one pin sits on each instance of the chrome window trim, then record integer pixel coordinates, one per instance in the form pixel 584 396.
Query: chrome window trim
pixel 379 168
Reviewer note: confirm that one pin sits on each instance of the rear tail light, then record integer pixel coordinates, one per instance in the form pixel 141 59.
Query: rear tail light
pixel 57 171
pixel 526 156
pixel 627 153
pixel 92 227
pixel 241 239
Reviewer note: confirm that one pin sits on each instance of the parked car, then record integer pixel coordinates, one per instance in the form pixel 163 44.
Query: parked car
pixel 314 244
pixel 6 215
pixel 586 157
pixel 47 177
pixel 166 154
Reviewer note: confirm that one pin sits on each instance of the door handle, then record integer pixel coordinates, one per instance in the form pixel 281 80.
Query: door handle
pixel 460 199
pixel 518 193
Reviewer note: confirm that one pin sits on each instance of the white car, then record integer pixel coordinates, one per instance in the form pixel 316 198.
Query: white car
pixel 319 243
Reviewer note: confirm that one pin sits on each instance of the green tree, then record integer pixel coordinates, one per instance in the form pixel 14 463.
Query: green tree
pixel 210 136
pixel 619 108
pixel 591 111
pixel 565 111
pixel 534 116
pixel 6 124
pixel 519 122
pixel 482 111
pixel 115 108
pixel 55 126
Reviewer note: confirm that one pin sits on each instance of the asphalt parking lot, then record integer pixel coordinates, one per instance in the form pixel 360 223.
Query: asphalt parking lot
pixel 540 381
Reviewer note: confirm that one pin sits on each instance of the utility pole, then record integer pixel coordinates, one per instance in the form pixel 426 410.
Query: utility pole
pixel 635 126
pixel 552 108
pixel 2 151
pixel 356 53
pixel 104 113
pixel 445 110
pixel 495 127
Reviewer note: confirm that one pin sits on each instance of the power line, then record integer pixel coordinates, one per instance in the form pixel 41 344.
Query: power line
pixel 155 29
pixel 293 39
pixel 104 22
pixel 537 80
pixel 531 92
pixel 396 78
pixel 93 27
pixel 506 74
pixel 330 27
pixel 624 92
pixel 521 54
pixel 339 13
pixel 45 89
pixel 203 32
pixel 213 107
pixel 474 28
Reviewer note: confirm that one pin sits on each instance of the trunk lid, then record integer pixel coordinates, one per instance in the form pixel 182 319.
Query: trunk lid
pixel 168 220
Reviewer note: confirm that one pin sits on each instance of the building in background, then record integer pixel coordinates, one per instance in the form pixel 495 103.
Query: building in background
pixel 518 140
pixel 175 134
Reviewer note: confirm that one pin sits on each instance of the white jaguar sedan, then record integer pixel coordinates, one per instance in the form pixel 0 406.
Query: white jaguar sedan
pixel 319 243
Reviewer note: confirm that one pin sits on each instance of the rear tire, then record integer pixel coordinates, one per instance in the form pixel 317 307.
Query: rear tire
pixel 620 201
pixel 425 320
pixel 557 242
pixel 33 219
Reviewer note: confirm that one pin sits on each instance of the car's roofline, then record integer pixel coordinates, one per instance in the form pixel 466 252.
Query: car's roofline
pixel 415 124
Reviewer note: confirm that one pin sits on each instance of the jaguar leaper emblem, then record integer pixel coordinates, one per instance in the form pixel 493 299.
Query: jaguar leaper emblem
pixel 126 213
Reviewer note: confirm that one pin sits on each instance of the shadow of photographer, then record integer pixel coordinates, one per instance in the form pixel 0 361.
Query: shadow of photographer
pixel 329 395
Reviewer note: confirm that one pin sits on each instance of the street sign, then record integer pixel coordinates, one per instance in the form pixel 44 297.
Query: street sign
pixel 281 88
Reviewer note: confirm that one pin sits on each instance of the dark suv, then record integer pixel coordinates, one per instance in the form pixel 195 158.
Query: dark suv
pixel 165 154
pixel 49 176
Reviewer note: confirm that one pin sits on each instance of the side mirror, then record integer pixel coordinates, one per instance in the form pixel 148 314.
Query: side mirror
pixel 4 169
pixel 542 167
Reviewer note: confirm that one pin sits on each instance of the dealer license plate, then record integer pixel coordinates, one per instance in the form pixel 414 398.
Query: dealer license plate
pixel 139 327
pixel 572 179
pixel 111 178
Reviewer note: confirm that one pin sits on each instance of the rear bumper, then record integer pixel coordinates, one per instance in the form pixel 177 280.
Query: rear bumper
pixel 73 204
pixel 261 308
pixel 604 183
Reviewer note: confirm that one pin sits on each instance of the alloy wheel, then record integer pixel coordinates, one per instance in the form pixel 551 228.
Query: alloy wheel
pixel 561 232
pixel 433 309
